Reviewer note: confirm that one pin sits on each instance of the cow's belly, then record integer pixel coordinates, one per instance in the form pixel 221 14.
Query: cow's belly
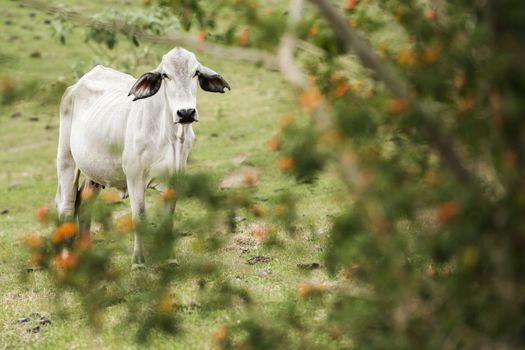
pixel 99 165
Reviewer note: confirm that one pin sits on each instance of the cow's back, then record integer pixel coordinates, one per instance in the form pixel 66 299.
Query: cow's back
pixel 100 81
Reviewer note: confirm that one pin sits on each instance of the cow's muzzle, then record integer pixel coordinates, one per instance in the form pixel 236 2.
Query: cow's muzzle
pixel 186 116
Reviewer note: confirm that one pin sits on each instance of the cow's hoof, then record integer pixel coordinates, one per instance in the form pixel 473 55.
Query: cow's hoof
pixel 138 267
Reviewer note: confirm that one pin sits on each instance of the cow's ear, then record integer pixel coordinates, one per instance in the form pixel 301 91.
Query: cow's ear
pixel 147 85
pixel 211 81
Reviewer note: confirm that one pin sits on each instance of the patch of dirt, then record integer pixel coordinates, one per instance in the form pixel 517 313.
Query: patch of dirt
pixel 258 259
pixel 36 322
pixel 309 266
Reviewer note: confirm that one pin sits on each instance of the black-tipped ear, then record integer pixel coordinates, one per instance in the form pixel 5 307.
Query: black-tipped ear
pixel 147 85
pixel 212 81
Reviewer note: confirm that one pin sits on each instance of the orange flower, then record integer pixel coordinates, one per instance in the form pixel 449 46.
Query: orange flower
pixel 260 233
pixel 273 144
pixel 36 259
pixel 66 230
pixel 350 4
pixel 280 209
pixel 244 38
pixel 201 37
pixel 110 197
pixel 286 121
pixel 42 214
pixel 342 89
pixel 466 103
pixel 87 193
pixel 220 335
pixel 125 224
pixel 313 30
pixel 446 212
pixel 32 240
pixel 84 241
pixel 407 57
pixel 286 163
pixel 310 99
pixel 304 290
pixel 431 55
pixel 258 210
pixel 65 260
pixel 250 178
pixel 168 194
pixel 397 105
pixel 430 15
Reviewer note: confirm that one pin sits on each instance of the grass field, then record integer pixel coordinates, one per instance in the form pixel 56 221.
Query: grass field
pixel 236 123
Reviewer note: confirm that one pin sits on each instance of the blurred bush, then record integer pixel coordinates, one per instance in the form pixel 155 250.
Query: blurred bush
pixel 432 218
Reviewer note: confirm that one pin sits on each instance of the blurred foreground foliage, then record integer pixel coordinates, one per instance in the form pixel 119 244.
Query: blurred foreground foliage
pixel 432 221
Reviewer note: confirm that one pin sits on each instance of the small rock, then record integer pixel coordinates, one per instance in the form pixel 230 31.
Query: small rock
pixel 44 320
pixel 4 211
pixel 16 115
pixel 34 329
pixel 244 250
pixel 309 266
pixel 33 268
pixel 239 159
pixel 258 259
pixel 265 272
pixel 23 320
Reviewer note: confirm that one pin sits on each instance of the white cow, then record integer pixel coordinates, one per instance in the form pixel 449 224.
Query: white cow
pixel 129 143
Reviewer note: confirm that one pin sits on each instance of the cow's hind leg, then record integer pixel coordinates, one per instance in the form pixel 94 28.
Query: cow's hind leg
pixel 88 191
pixel 67 170
pixel 66 197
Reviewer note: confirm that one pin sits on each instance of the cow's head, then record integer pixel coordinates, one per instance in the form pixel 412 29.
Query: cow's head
pixel 177 74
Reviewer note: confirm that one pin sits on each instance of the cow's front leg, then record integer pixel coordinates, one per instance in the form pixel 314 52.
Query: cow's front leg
pixel 136 190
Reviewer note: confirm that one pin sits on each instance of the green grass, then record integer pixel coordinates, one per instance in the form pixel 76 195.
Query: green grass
pixel 238 122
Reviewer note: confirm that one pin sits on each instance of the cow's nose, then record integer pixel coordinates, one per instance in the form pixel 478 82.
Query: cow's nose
pixel 186 115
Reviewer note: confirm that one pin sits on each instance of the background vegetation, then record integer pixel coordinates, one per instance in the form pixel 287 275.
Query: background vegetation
pixel 394 221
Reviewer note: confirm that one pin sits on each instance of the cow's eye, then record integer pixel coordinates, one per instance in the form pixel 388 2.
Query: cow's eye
pixel 164 75
pixel 196 73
